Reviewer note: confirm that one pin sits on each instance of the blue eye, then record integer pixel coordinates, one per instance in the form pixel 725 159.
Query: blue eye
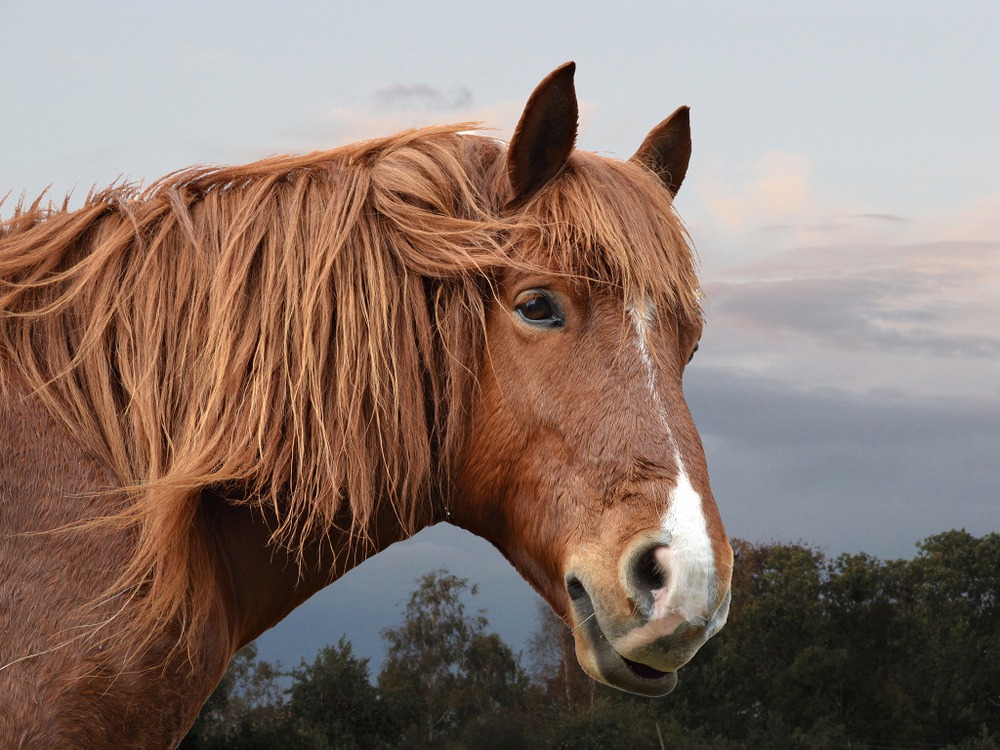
pixel 538 308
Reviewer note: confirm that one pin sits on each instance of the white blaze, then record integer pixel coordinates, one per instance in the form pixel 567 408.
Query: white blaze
pixel 688 562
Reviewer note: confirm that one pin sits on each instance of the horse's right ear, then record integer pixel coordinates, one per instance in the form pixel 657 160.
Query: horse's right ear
pixel 545 134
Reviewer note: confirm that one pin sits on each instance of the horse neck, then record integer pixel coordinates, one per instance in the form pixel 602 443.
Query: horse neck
pixel 263 582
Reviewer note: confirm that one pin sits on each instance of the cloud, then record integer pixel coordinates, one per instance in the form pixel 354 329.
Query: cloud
pixel 892 218
pixel 938 299
pixel 874 471
pixel 857 301
pixel 776 189
pixel 393 107
pixel 422 96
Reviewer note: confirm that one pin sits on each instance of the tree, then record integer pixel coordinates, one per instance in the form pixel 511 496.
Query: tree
pixel 334 699
pixel 923 639
pixel 443 671
pixel 955 679
pixel 820 652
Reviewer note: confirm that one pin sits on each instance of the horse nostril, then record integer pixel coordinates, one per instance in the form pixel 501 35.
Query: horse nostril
pixel 575 588
pixel 647 575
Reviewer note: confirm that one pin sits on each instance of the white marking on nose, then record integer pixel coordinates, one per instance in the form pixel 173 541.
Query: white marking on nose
pixel 688 562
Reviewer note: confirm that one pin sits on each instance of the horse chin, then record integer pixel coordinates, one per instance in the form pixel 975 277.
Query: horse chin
pixel 600 660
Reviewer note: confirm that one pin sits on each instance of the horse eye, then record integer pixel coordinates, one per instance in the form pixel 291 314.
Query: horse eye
pixel 539 309
pixel 692 353
pixel 536 308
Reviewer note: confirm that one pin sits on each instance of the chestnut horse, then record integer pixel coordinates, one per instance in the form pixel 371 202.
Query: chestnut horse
pixel 219 394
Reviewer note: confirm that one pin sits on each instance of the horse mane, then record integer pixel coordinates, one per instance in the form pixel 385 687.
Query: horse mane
pixel 305 328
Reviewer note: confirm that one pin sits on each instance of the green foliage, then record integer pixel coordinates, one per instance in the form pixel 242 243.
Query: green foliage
pixel 332 700
pixel 607 725
pixel 442 669
pixel 818 654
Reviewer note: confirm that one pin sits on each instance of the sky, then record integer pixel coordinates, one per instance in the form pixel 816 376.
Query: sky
pixel 843 197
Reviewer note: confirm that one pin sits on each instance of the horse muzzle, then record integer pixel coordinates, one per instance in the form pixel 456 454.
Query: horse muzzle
pixel 672 605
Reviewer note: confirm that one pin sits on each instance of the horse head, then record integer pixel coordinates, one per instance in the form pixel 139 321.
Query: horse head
pixel 582 464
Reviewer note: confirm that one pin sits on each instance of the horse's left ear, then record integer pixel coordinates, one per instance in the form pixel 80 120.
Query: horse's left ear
pixel 545 134
pixel 667 149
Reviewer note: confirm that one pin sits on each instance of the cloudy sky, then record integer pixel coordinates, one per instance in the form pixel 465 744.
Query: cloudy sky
pixel 844 197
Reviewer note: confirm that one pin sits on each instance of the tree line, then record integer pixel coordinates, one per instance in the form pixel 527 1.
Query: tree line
pixel 819 653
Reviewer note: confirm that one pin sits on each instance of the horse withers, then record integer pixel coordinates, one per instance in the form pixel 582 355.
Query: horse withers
pixel 219 394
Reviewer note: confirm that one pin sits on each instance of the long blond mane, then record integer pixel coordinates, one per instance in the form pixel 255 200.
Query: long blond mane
pixel 305 328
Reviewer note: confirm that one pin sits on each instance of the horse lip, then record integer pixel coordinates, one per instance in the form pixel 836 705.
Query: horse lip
pixel 607 665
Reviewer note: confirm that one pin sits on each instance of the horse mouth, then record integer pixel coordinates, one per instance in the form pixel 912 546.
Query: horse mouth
pixel 601 661
pixel 644 670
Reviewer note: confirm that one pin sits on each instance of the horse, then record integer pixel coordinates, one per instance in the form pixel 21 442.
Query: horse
pixel 221 392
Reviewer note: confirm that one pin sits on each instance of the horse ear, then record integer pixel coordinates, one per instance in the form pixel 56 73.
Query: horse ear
pixel 545 134
pixel 667 149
